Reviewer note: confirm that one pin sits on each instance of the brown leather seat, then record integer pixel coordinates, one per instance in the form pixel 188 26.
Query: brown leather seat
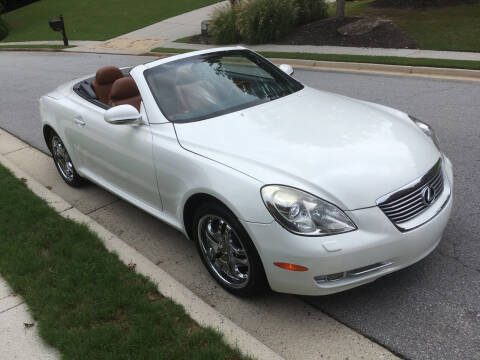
pixel 125 91
pixel 104 78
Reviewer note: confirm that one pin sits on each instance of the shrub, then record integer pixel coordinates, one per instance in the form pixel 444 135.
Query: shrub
pixel 224 25
pixel 9 5
pixel 3 29
pixel 261 21
pixel 310 10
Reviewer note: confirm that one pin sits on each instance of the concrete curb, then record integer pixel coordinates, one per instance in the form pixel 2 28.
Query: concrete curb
pixel 196 308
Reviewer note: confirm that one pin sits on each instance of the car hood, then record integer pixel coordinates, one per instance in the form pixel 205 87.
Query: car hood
pixel 346 151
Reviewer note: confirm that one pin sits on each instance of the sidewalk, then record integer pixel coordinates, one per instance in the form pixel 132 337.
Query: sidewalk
pixel 17 341
pixel 344 50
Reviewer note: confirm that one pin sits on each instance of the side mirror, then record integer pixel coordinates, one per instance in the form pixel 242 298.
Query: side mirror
pixel 122 114
pixel 286 69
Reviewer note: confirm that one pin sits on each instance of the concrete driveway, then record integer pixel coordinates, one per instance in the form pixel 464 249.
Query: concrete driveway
pixel 428 311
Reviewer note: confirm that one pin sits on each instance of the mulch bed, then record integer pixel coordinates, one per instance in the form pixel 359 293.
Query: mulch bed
pixel 200 39
pixel 324 32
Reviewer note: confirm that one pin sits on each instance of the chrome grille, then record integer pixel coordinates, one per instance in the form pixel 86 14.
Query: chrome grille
pixel 408 202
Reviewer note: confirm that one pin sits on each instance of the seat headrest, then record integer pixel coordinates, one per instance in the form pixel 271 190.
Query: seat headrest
pixel 124 88
pixel 107 75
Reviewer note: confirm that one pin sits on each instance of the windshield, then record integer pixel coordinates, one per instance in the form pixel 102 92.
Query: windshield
pixel 214 84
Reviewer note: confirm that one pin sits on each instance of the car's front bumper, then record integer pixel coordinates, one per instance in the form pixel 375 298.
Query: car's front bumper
pixel 376 242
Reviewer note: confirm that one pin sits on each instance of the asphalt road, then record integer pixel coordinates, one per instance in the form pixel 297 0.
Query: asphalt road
pixel 430 310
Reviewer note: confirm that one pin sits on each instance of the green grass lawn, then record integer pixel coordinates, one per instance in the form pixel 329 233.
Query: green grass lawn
pixel 387 60
pixel 84 300
pixel 446 28
pixel 92 19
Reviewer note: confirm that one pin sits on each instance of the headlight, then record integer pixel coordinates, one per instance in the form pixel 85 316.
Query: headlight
pixel 427 129
pixel 304 214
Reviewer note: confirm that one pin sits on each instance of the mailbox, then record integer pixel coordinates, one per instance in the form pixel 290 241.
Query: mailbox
pixel 56 24
pixel 204 27
pixel 59 25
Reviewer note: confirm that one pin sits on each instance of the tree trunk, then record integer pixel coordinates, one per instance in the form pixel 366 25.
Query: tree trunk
pixel 340 9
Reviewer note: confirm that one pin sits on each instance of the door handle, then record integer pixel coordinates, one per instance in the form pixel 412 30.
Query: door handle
pixel 78 120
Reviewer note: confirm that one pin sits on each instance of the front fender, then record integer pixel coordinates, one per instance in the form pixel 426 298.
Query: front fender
pixel 182 174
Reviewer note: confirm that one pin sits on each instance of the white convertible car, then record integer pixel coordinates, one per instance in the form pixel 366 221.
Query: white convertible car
pixel 279 185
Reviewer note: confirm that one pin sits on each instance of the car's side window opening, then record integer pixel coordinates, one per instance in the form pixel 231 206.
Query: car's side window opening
pixel 84 89
pixel 110 87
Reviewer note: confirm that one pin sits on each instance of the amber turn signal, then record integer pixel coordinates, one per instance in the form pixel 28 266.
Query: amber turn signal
pixel 291 267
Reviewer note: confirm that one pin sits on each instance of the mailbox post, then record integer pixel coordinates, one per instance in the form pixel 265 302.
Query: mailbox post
pixel 59 25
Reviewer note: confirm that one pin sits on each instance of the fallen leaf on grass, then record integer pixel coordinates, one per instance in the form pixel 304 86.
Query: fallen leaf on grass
pixel 28 325
pixel 152 297
pixel 203 343
pixel 131 266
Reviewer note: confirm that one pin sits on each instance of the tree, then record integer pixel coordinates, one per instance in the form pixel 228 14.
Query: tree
pixel 340 14
pixel 9 5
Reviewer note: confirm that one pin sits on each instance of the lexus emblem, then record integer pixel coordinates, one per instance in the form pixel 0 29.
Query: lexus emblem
pixel 428 195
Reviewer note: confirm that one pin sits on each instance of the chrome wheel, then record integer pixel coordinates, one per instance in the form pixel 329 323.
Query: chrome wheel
pixel 223 251
pixel 62 159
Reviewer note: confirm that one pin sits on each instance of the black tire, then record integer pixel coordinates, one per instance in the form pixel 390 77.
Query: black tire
pixel 256 282
pixel 63 162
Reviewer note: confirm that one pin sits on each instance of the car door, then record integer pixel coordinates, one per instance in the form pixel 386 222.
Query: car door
pixel 118 157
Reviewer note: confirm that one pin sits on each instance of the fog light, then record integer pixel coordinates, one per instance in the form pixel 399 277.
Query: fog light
pixel 329 277
pixel 361 271
pixel 291 267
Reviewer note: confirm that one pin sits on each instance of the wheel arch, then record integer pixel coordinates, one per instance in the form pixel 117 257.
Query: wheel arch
pixel 192 203
pixel 48 131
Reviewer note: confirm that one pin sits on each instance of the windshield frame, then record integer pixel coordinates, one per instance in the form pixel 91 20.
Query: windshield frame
pixel 252 56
